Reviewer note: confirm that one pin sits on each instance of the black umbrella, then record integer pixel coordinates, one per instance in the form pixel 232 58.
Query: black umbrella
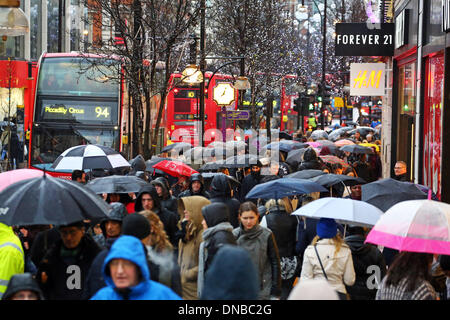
pixel 179 146
pixel 284 135
pixel 48 200
pixel 354 148
pixel 306 174
pixel 295 157
pixel 210 175
pixel 116 184
pixel 215 165
pixel 384 193
pixel 331 179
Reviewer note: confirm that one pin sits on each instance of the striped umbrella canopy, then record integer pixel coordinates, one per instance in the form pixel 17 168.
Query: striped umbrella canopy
pixel 90 156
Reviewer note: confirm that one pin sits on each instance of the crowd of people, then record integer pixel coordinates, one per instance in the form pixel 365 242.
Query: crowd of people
pixel 189 238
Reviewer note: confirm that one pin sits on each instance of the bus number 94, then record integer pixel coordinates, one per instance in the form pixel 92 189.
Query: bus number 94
pixel 102 112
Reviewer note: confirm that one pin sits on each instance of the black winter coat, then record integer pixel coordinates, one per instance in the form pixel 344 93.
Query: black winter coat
pixel 247 184
pixel 60 272
pixel 310 161
pixel 168 218
pixel 221 193
pixel 364 256
pixel 214 214
pixel 284 228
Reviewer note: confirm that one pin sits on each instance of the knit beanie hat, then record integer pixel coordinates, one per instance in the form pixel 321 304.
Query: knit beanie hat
pixel 136 225
pixel 326 228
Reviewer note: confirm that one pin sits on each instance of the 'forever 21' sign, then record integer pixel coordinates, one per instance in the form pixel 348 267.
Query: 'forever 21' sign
pixel 362 39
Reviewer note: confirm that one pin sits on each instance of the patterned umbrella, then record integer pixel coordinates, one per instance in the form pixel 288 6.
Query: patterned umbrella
pixel 333 160
pixel 343 142
pixel 89 156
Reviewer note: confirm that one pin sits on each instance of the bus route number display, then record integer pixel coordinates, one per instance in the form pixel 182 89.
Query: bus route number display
pixel 77 113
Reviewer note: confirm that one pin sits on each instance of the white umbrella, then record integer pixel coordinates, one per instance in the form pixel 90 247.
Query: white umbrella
pixel 345 211
pixel 90 156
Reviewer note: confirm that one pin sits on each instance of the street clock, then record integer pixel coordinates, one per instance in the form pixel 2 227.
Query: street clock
pixel 224 93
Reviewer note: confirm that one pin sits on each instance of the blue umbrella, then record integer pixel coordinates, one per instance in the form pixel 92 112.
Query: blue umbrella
pixel 285 187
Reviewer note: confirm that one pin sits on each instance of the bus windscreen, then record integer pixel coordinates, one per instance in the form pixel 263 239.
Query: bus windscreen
pixel 69 76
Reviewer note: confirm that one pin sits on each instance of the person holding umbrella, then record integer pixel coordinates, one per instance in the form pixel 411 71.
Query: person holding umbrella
pixel 23 286
pixel 168 201
pixel 408 278
pixel 251 180
pixel 76 249
pixel 329 257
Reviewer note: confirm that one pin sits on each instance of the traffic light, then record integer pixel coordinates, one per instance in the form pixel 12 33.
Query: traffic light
pixel 326 95
pixel 298 104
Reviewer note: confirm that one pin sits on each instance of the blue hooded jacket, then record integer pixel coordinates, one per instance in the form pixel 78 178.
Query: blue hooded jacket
pixel 130 248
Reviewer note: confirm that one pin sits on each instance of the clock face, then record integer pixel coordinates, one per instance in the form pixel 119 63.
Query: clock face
pixel 224 94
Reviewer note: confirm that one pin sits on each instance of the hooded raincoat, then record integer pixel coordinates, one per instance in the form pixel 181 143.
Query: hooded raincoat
pixel 218 233
pixel 221 192
pixel 130 248
pixel 188 247
pixel 168 218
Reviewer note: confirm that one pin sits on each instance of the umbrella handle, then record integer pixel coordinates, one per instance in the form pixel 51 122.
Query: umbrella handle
pixel 429 194
pixel 345 230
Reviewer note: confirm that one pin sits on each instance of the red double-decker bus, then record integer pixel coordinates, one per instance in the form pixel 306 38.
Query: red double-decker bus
pixel 183 110
pixel 74 107
pixel 289 117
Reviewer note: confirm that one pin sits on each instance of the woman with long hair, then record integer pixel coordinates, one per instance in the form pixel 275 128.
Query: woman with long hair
pixel 408 278
pixel 161 257
pixel 329 257
pixel 260 244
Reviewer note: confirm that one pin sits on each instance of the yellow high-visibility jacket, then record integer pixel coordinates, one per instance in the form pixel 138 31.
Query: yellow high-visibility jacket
pixel 12 260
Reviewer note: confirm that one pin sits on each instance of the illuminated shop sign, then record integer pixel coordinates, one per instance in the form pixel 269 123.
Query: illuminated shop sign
pixel 364 39
pixel 367 79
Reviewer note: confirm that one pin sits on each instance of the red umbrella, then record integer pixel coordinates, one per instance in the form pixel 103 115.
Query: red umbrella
pixel 175 168
pixel 333 160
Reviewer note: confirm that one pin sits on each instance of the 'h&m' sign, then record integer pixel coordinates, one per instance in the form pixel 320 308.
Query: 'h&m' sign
pixel 367 79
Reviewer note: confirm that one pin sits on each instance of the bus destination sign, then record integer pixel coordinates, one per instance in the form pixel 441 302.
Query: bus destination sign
pixel 81 112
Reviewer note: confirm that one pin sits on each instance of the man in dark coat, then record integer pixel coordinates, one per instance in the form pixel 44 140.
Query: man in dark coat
pixel 64 269
pixel 364 255
pixel 309 160
pixel 251 180
pixel 401 172
pixel 221 193
pixel 148 199
pixel 168 201
pixel 196 187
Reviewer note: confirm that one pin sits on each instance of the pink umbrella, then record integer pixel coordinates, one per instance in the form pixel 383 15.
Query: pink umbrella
pixel 414 226
pixel 343 142
pixel 315 144
pixel 9 177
